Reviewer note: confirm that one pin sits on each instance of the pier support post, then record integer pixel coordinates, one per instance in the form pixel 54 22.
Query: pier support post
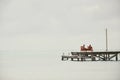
pixel 108 57
pixel 116 57
pixel 71 59
pixel 62 58
pixel 77 59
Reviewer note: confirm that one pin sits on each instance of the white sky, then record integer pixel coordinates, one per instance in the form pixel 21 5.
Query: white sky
pixel 48 25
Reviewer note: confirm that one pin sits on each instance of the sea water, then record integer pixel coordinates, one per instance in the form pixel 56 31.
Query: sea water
pixel 42 65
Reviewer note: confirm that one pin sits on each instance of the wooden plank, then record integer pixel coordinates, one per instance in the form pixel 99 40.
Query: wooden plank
pixel 102 52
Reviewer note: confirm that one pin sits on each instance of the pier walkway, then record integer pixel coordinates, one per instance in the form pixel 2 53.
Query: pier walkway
pixel 93 56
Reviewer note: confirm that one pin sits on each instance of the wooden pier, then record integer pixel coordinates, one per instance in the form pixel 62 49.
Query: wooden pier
pixel 93 56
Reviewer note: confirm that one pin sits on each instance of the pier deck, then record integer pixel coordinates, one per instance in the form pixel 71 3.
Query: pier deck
pixel 94 56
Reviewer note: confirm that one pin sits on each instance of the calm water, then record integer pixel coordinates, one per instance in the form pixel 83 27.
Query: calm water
pixel 48 66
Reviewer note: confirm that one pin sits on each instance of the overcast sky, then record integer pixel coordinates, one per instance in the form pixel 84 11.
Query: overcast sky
pixel 48 25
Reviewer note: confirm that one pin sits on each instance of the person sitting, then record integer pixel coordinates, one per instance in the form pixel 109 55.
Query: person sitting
pixel 90 48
